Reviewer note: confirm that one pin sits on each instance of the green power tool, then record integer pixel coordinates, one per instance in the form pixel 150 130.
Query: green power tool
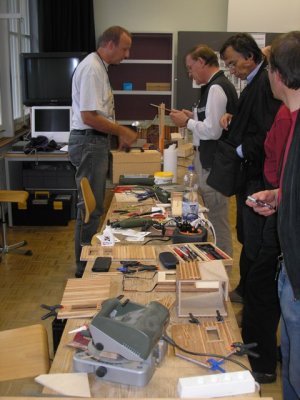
pixel 132 223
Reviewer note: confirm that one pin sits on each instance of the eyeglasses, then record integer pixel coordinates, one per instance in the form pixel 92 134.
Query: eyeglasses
pixel 189 67
pixel 231 65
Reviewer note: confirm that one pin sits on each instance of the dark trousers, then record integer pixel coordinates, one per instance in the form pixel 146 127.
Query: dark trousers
pixel 249 227
pixel 257 286
pixel 89 153
pixel 261 311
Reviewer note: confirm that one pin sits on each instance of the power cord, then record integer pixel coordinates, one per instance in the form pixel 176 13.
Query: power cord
pixel 201 220
pixel 170 341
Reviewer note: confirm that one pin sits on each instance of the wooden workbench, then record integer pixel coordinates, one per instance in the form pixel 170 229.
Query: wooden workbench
pixel 88 398
pixel 164 381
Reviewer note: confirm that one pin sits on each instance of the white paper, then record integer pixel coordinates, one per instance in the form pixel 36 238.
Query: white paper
pixel 170 161
pixel 64 148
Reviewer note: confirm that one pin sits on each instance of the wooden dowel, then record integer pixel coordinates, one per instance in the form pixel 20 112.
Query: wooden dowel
pixel 155 105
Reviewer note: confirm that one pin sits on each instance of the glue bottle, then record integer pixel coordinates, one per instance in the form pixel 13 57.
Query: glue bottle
pixel 190 204
pixel 108 238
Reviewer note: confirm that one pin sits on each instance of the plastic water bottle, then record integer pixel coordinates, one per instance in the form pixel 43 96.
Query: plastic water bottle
pixel 190 204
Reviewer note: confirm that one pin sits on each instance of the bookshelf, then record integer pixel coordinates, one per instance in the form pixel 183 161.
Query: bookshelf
pixel 150 62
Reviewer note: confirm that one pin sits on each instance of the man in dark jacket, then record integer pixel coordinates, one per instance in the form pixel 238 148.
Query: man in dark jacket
pixel 247 130
pixel 284 74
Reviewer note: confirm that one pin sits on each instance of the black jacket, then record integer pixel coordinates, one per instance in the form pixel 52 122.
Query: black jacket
pixel 289 212
pixel 255 114
pixel 208 147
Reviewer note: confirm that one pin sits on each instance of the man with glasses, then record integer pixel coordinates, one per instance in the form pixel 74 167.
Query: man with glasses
pixel 217 96
pixel 247 129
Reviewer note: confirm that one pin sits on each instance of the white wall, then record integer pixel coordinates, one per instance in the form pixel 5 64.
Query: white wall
pixel 263 15
pixel 161 15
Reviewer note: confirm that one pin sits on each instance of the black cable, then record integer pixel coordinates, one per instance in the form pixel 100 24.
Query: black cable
pixel 170 341
pixel 158 238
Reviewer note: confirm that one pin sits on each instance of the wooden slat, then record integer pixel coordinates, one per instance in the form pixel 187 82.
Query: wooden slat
pixel 118 253
pixel 82 298
pixel 188 270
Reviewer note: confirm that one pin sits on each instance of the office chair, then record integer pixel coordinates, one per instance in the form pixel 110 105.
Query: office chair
pixel 11 196
pixel 24 352
pixel 88 198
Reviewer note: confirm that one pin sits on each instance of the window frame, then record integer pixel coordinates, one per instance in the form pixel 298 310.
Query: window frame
pixel 15 31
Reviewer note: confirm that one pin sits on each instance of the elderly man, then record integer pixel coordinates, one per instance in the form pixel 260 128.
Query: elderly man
pixel 218 96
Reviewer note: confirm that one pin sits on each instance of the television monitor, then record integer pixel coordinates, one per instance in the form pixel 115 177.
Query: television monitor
pixel 54 122
pixel 46 78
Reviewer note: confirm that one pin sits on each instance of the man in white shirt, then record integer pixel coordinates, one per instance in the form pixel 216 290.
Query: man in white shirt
pixel 92 125
pixel 217 95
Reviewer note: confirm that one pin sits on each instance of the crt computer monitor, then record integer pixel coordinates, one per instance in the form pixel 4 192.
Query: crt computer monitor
pixel 46 78
pixel 54 122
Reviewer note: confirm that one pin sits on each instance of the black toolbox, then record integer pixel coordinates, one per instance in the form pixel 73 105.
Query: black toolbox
pixel 43 209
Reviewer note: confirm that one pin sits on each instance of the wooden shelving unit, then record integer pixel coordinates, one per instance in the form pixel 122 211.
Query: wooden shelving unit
pixel 151 60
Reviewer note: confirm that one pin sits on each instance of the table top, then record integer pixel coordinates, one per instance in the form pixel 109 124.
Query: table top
pixel 41 156
pixel 163 384
pixel 88 398
pixel 165 378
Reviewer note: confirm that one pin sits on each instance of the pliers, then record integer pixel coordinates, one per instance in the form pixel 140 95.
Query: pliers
pixel 145 195
pixel 130 269
pixel 52 310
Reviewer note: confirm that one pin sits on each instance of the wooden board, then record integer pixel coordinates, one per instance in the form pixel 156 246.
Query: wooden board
pixel 188 270
pixel 207 337
pixel 166 281
pixel 131 197
pixel 82 298
pixel 72 384
pixel 118 253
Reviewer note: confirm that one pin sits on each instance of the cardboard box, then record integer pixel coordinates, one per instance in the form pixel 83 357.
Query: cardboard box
pixel 158 86
pixel 135 162
pixel 185 150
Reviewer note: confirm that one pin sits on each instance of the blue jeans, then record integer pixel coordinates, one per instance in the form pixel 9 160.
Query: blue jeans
pixel 89 153
pixel 290 338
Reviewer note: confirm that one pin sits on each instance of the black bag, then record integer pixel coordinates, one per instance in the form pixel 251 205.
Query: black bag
pixel 228 172
pixel 40 143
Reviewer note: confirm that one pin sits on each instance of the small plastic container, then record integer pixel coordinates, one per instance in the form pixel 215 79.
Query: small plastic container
pixel 163 177
pixel 127 85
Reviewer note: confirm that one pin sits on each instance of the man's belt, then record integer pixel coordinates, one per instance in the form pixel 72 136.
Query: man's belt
pixel 89 132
